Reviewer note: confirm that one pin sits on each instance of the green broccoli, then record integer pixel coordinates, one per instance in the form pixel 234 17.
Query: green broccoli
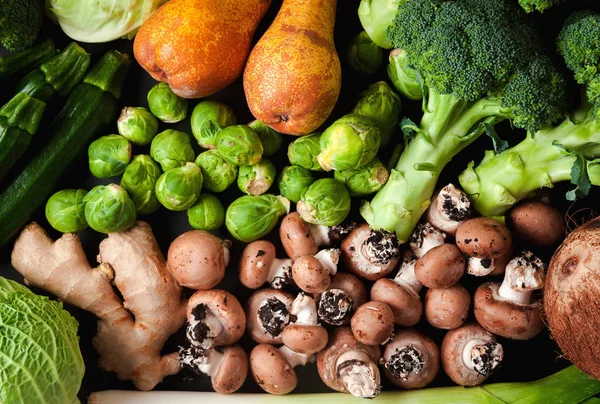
pixel 20 22
pixel 554 153
pixel 538 5
pixel 478 62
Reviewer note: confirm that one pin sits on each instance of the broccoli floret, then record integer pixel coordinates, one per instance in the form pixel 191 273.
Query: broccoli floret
pixel 479 63
pixel 20 22
pixel 538 5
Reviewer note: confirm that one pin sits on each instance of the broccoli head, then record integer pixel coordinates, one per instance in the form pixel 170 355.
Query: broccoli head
pixel 20 22
pixel 538 5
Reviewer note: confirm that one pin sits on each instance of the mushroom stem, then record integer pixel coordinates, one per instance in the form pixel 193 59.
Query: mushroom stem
pixel 226 254
pixel 201 360
pixel 203 327
pixel 335 306
pixel 449 208
pixel 404 361
pixel 424 238
pixel 480 266
pixel 482 356
pixel 406 275
pixel 280 273
pixel 524 274
pixel 329 258
pixel 296 358
pixel 359 375
pixel 320 234
pixel 304 309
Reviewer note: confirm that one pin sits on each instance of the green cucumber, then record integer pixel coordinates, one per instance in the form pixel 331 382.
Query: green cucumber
pixel 91 107
pixel 26 59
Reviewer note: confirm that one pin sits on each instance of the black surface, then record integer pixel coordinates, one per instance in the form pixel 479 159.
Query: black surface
pixel 524 360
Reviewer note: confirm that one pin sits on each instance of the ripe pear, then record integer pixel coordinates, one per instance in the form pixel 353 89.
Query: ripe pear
pixel 293 76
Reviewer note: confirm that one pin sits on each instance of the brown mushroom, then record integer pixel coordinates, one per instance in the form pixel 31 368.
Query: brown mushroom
pixel 507 309
pixel 313 274
pixel 401 293
pixel 447 308
pixel 425 237
pixel 440 267
pixel 411 360
pixel 259 265
pixel 197 259
pixel 273 369
pixel 214 318
pixel 304 334
pixel 267 314
pixel 483 237
pixel 373 323
pixel 370 254
pixel 489 266
pixel 345 294
pixel 348 366
pixel 470 354
pixel 536 223
pixel 448 209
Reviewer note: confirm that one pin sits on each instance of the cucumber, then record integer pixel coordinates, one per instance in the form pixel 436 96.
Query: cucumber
pixel 26 59
pixel 91 107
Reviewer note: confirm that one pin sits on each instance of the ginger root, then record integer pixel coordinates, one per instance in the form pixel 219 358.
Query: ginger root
pixel 132 332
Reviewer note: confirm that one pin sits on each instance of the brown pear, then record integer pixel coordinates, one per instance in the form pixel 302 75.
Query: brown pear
pixel 293 76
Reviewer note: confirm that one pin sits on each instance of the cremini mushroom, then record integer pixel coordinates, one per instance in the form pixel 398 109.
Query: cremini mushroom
pixel 259 265
pixel 304 334
pixel 470 354
pixel 313 274
pixel 506 309
pixel 448 209
pixel 336 305
pixel 411 360
pixel 370 254
pixel 401 293
pixel 347 366
pixel 447 308
pixel 440 267
pixel 489 266
pixel 483 237
pixel 373 323
pixel 267 314
pixel 425 237
pixel 536 223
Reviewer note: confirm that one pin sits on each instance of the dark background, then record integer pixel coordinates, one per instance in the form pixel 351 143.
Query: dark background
pixel 524 361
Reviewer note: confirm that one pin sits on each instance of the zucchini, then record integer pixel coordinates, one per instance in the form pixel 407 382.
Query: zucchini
pixel 91 107
pixel 26 59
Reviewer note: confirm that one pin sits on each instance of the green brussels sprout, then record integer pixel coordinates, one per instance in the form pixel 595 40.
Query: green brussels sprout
pixel 256 179
pixel 303 152
pixel 65 210
pixel 364 55
pixel 404 78
pixel 218 174
pixel 108 156
pixel 178 189
pixel 139 180
pixel 207 213
pixel 166 105
pixel 137 125
pixel 239 145
pixel 269 137
pixel 250 217
pixel 172 149
pixel 293 181
pixel 109 209
pixel 325 202
pixel 208 118
pixel 365 180
pixel 380 103
pixel 351 142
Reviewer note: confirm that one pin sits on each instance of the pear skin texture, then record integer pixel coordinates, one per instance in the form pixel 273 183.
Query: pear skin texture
pixel 293 76
pixel 199 47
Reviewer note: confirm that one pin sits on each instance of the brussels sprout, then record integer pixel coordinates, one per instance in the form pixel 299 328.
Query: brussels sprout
pixel 325 202
pixel 303 152
pixel 218 174
pixel 269 137
pixel 178 189
pixel 207 213
pixel 65 210
pixel 239 145
pixel 365 180
pixel 351 142
pixel 139 180
pixel 257 178
pixel 165 105
pixel 406 79
pixel 376 16
pixel 364 55
pixel 172 149
pixel 137 125
pixel 250 217
pixel 208 118
pixel 108 156
pixel 380 103
pixel 109 209
pixel 293 181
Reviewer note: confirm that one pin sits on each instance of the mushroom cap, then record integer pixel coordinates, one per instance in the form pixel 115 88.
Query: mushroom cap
pixel 440 267
pixel 226 307
pixel 370 254
pixel 254 325
pixel 271 371
pixel 505 318
pixel 341 340
pixel 256 262
pixel 232 371
pixel 196 259
pixel 296 236
pixel 310 275
pixel 351 284
pixel 306 339
pixel 447 308
pixel 428 350
pixel 483 237
pixel 373 323
pixel 405 303
pixel 452 353
pixel 536 223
